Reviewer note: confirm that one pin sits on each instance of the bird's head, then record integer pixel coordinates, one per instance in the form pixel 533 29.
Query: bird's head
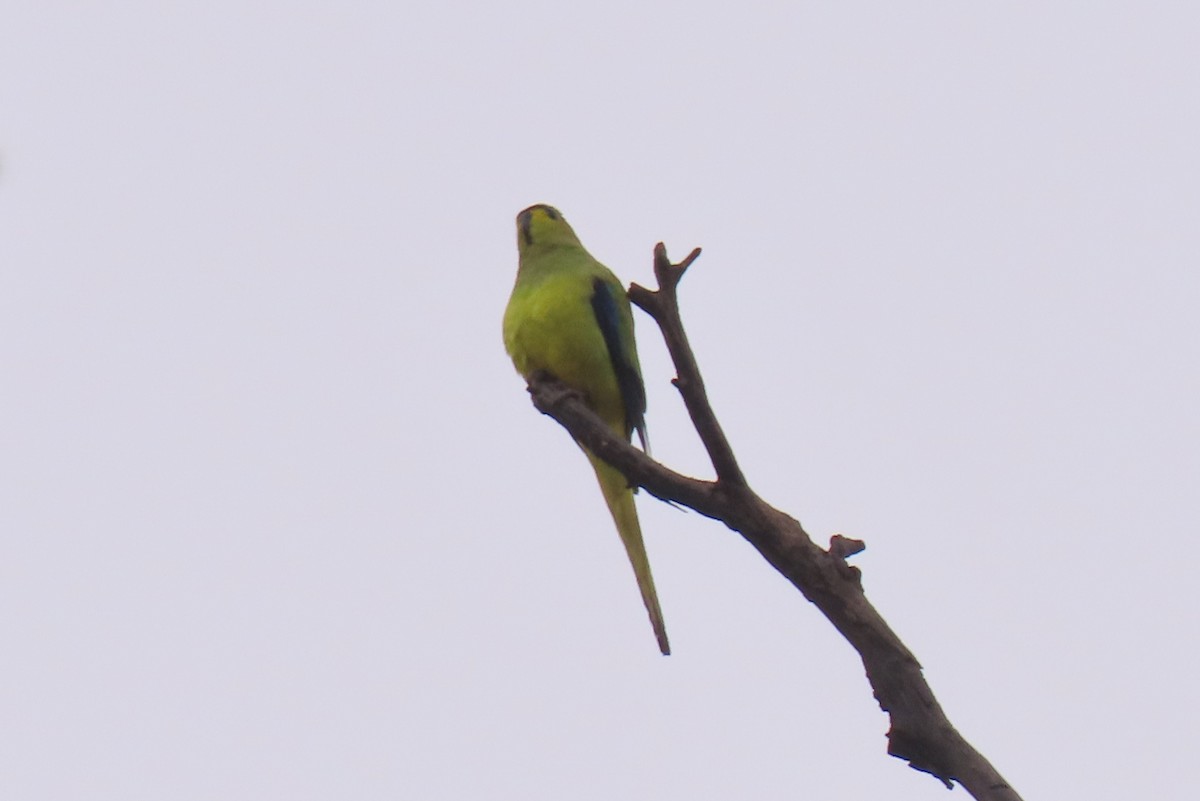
pixel 543 225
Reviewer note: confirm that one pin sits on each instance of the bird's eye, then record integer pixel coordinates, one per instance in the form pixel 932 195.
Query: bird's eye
pixel 552 212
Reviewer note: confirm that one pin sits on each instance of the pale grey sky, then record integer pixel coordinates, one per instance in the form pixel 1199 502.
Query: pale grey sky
pixel 277 519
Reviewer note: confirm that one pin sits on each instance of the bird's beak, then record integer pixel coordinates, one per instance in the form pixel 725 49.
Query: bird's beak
pixel 524 221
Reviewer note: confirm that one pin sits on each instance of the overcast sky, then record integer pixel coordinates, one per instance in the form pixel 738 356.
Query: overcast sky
pixel 278 521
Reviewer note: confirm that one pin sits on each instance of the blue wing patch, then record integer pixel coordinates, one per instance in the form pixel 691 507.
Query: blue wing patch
pixel 633 391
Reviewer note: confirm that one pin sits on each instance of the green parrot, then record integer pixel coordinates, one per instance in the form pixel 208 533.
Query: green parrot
pixel 569 316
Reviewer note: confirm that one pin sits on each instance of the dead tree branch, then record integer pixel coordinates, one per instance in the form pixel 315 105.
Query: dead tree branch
pixel 920 731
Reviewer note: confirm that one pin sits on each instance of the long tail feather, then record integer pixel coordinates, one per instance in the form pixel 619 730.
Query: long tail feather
pixel 619 498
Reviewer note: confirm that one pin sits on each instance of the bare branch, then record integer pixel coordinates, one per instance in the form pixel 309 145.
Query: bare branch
pixel 920 731
pixel 663 306
pixel 564 404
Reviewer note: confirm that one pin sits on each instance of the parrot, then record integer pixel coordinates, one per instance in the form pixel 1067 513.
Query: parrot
pixel 569 316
